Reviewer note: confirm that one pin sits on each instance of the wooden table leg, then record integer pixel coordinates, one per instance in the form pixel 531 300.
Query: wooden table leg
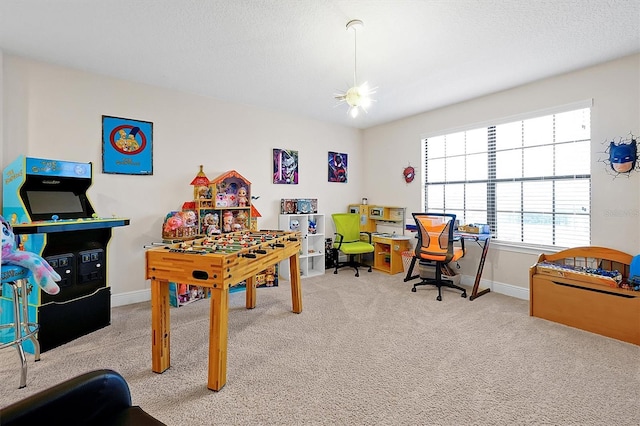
pixel 474 291
pixel 296 291
pixel 218 334
pixel 250 293
pixel 160 326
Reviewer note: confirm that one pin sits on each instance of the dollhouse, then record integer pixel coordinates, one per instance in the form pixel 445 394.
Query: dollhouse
pixel 219 206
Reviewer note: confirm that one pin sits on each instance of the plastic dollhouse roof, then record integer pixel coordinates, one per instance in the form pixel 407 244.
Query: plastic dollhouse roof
pixel 229 174
pixel 201 179
pixel 255 212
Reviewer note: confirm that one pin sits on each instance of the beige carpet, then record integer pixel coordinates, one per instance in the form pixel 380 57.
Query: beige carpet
pixel 364 351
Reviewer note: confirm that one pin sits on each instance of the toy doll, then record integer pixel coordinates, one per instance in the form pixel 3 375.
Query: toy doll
pixel 243 201
pixel 270 275
pixel 241 220
pixel 227 221
pixel 42 273
pixel 210 226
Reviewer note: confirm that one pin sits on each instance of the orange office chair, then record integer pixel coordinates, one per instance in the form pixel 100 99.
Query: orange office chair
pixel 348 240
pixel 435 244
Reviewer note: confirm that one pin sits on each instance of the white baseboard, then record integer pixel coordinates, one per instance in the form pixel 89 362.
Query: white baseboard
pixel 131 297
pixel 502 288
pixel 138 296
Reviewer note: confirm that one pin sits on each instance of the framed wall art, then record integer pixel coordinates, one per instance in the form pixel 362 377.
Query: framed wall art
pixel 337 167
pixel 285 166
pixel 127 146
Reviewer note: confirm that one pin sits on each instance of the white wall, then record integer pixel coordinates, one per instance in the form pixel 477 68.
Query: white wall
pixel 615 90
pixel 53 112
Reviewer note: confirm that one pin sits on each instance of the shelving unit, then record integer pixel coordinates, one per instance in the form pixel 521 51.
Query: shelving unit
pixel 312 249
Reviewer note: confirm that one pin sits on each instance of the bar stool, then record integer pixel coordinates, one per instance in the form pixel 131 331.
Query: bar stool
pixel 17 278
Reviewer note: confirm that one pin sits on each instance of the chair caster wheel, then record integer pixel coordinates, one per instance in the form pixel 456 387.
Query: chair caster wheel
pixel 413 289
pixel 335 272
pixel 357 274
pixel 439 298
pixel 464 295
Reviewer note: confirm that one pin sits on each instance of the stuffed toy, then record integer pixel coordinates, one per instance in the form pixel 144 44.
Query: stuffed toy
pixel 42 273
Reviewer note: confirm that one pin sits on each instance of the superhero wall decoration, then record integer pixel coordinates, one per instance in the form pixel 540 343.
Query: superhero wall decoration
pixel 622 156
pixel 337 167
pixel 409 173
pixel 285 166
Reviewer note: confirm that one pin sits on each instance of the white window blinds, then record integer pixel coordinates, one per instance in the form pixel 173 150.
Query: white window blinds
pixel 529 179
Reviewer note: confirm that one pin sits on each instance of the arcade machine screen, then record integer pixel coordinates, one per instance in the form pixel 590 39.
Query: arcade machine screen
pixel 55 202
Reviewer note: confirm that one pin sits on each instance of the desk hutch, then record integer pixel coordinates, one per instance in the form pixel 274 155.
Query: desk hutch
pixel 387 255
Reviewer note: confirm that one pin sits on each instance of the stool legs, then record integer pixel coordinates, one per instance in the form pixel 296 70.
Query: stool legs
pixel 23 329
pixel 30 329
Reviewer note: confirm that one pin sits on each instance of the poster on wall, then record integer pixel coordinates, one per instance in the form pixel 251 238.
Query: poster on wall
pixel 285 166
pixel 127 146
pixel 337 167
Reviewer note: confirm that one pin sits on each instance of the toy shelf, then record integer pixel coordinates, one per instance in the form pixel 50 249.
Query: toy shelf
pixel 312 255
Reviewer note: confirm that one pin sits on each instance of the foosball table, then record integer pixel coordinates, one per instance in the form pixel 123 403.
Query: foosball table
pixel 215 263
pixel 587 288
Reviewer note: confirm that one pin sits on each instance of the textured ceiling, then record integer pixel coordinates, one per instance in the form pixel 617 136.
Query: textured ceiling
pixel 293 55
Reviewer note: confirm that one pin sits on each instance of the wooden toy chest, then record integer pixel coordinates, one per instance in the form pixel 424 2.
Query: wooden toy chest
pixel 584 300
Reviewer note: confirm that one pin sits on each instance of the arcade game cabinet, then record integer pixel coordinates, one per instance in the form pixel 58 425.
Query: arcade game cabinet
pixel 46 203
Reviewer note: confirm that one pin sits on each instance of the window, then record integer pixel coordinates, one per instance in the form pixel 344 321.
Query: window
pixel 529 179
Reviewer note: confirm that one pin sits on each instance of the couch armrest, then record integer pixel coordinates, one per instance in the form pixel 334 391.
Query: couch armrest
pixel 96 397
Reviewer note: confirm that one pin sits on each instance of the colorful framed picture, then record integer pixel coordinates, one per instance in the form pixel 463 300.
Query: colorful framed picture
pixel 285 166
pixel 337 167
pixel 127 146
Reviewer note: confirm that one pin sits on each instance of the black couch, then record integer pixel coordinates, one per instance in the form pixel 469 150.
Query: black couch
pixel 100 397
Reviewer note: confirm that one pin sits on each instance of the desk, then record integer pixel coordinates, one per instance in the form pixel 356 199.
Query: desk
pixel 387 255
pixel 203 263
pixel 483 241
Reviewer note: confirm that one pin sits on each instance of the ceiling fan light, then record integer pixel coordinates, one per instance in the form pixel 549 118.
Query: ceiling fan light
pixel 357 96
pixel 353 96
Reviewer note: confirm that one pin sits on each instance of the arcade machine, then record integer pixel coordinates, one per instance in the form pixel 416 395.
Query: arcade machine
pixel 46 203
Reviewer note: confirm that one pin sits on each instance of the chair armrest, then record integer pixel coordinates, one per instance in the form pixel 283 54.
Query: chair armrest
pixel 90 398
pixel 338 239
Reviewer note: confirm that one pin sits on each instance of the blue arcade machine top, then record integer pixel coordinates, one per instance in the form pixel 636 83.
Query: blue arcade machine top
pixel 43 195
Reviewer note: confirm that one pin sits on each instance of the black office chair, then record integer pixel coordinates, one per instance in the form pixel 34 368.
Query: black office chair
pixel 435 245
pixel 347 240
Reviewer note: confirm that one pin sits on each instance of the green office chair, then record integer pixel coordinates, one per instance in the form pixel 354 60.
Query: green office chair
pixel 347 240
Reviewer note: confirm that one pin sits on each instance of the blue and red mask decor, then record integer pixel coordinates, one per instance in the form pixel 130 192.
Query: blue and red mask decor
pixel 623 156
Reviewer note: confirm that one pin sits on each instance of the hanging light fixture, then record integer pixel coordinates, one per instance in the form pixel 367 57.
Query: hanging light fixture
pixel 357 96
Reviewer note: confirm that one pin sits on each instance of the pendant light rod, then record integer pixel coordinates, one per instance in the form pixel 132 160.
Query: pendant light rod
pixel 355 24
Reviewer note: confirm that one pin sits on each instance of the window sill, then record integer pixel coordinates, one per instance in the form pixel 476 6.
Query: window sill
pixel 524 248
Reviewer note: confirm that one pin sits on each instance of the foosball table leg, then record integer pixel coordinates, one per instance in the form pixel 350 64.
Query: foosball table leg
pixel 218 333
pixel 251 293
pixel 160 326
pixel 296 291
